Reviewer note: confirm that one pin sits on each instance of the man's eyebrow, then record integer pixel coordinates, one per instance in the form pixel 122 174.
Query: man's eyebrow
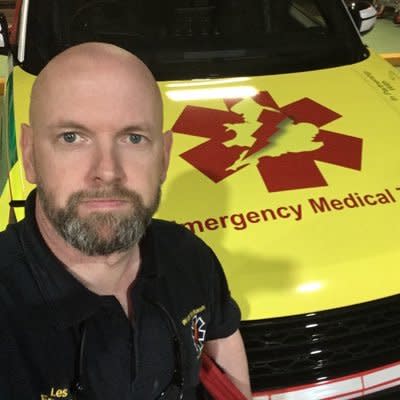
pixel 66 124
pixel 136 127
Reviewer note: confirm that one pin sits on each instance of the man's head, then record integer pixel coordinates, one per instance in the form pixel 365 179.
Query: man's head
pixel 95 147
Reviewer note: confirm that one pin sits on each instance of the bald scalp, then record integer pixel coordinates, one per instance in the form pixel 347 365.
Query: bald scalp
pixel 92 59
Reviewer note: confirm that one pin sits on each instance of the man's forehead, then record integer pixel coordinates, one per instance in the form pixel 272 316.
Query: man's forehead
pixel 95 55
pixel 78 68
pixel 99 68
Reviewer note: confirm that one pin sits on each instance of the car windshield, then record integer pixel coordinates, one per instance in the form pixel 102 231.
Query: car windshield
pixel 186 39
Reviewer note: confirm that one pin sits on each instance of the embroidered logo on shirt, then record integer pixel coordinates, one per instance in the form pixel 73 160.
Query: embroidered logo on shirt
pixel 198 328
pixel 198 333
pixel 56 394
pixel 192 313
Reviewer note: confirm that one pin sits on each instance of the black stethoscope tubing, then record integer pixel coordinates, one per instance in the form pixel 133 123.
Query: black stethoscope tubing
pixel 177 378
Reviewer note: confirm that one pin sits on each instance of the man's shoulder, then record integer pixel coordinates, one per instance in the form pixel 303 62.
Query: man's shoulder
pixel 182 257
pixel 13 273
pixel 179 243
pixel 163 226
pixel 10 247
pixel 173 233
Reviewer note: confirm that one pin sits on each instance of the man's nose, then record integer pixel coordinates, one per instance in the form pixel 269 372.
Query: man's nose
pixel 106 165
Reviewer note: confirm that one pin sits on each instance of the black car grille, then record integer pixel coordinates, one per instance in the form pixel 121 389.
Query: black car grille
pixel 313 347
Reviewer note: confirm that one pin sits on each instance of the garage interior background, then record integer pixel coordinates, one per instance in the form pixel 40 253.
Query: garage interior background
pixel 7 7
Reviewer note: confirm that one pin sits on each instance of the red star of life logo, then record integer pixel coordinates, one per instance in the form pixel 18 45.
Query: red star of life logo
pixel 198 333
pixel 283 143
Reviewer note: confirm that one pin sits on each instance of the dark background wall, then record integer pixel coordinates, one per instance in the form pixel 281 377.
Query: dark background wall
pixel 7 7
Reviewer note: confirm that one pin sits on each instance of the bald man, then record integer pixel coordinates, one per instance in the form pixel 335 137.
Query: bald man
pixel 100 300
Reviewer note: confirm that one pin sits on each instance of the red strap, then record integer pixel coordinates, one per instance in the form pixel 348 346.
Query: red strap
pixel 217 384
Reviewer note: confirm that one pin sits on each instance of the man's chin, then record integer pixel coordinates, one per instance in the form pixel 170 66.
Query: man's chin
pixel 102 238
pixel 104 233
pixel 105 221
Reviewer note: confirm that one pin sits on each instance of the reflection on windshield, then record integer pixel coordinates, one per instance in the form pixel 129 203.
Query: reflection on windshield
pixel 203 38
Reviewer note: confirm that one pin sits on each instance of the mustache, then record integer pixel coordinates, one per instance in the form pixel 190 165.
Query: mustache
pixel 115 192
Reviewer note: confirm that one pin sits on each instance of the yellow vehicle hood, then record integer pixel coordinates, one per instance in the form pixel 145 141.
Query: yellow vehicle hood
pixel 293 180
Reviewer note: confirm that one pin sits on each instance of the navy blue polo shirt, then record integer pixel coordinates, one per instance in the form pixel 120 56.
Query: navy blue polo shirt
pixel 54 332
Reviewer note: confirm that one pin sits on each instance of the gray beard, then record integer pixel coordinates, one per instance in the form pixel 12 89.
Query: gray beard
pixel 98 233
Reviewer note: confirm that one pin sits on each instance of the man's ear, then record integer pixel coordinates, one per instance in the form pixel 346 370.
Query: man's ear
pixel 26 144
pixel 167 138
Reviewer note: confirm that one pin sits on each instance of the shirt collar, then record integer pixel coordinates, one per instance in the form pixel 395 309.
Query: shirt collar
pixel 69 302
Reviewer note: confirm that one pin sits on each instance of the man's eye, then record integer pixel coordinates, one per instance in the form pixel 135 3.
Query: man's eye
pixel 135 138
pixel 69 137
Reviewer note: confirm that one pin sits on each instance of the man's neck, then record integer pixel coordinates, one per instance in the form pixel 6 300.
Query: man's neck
pixel 105 275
